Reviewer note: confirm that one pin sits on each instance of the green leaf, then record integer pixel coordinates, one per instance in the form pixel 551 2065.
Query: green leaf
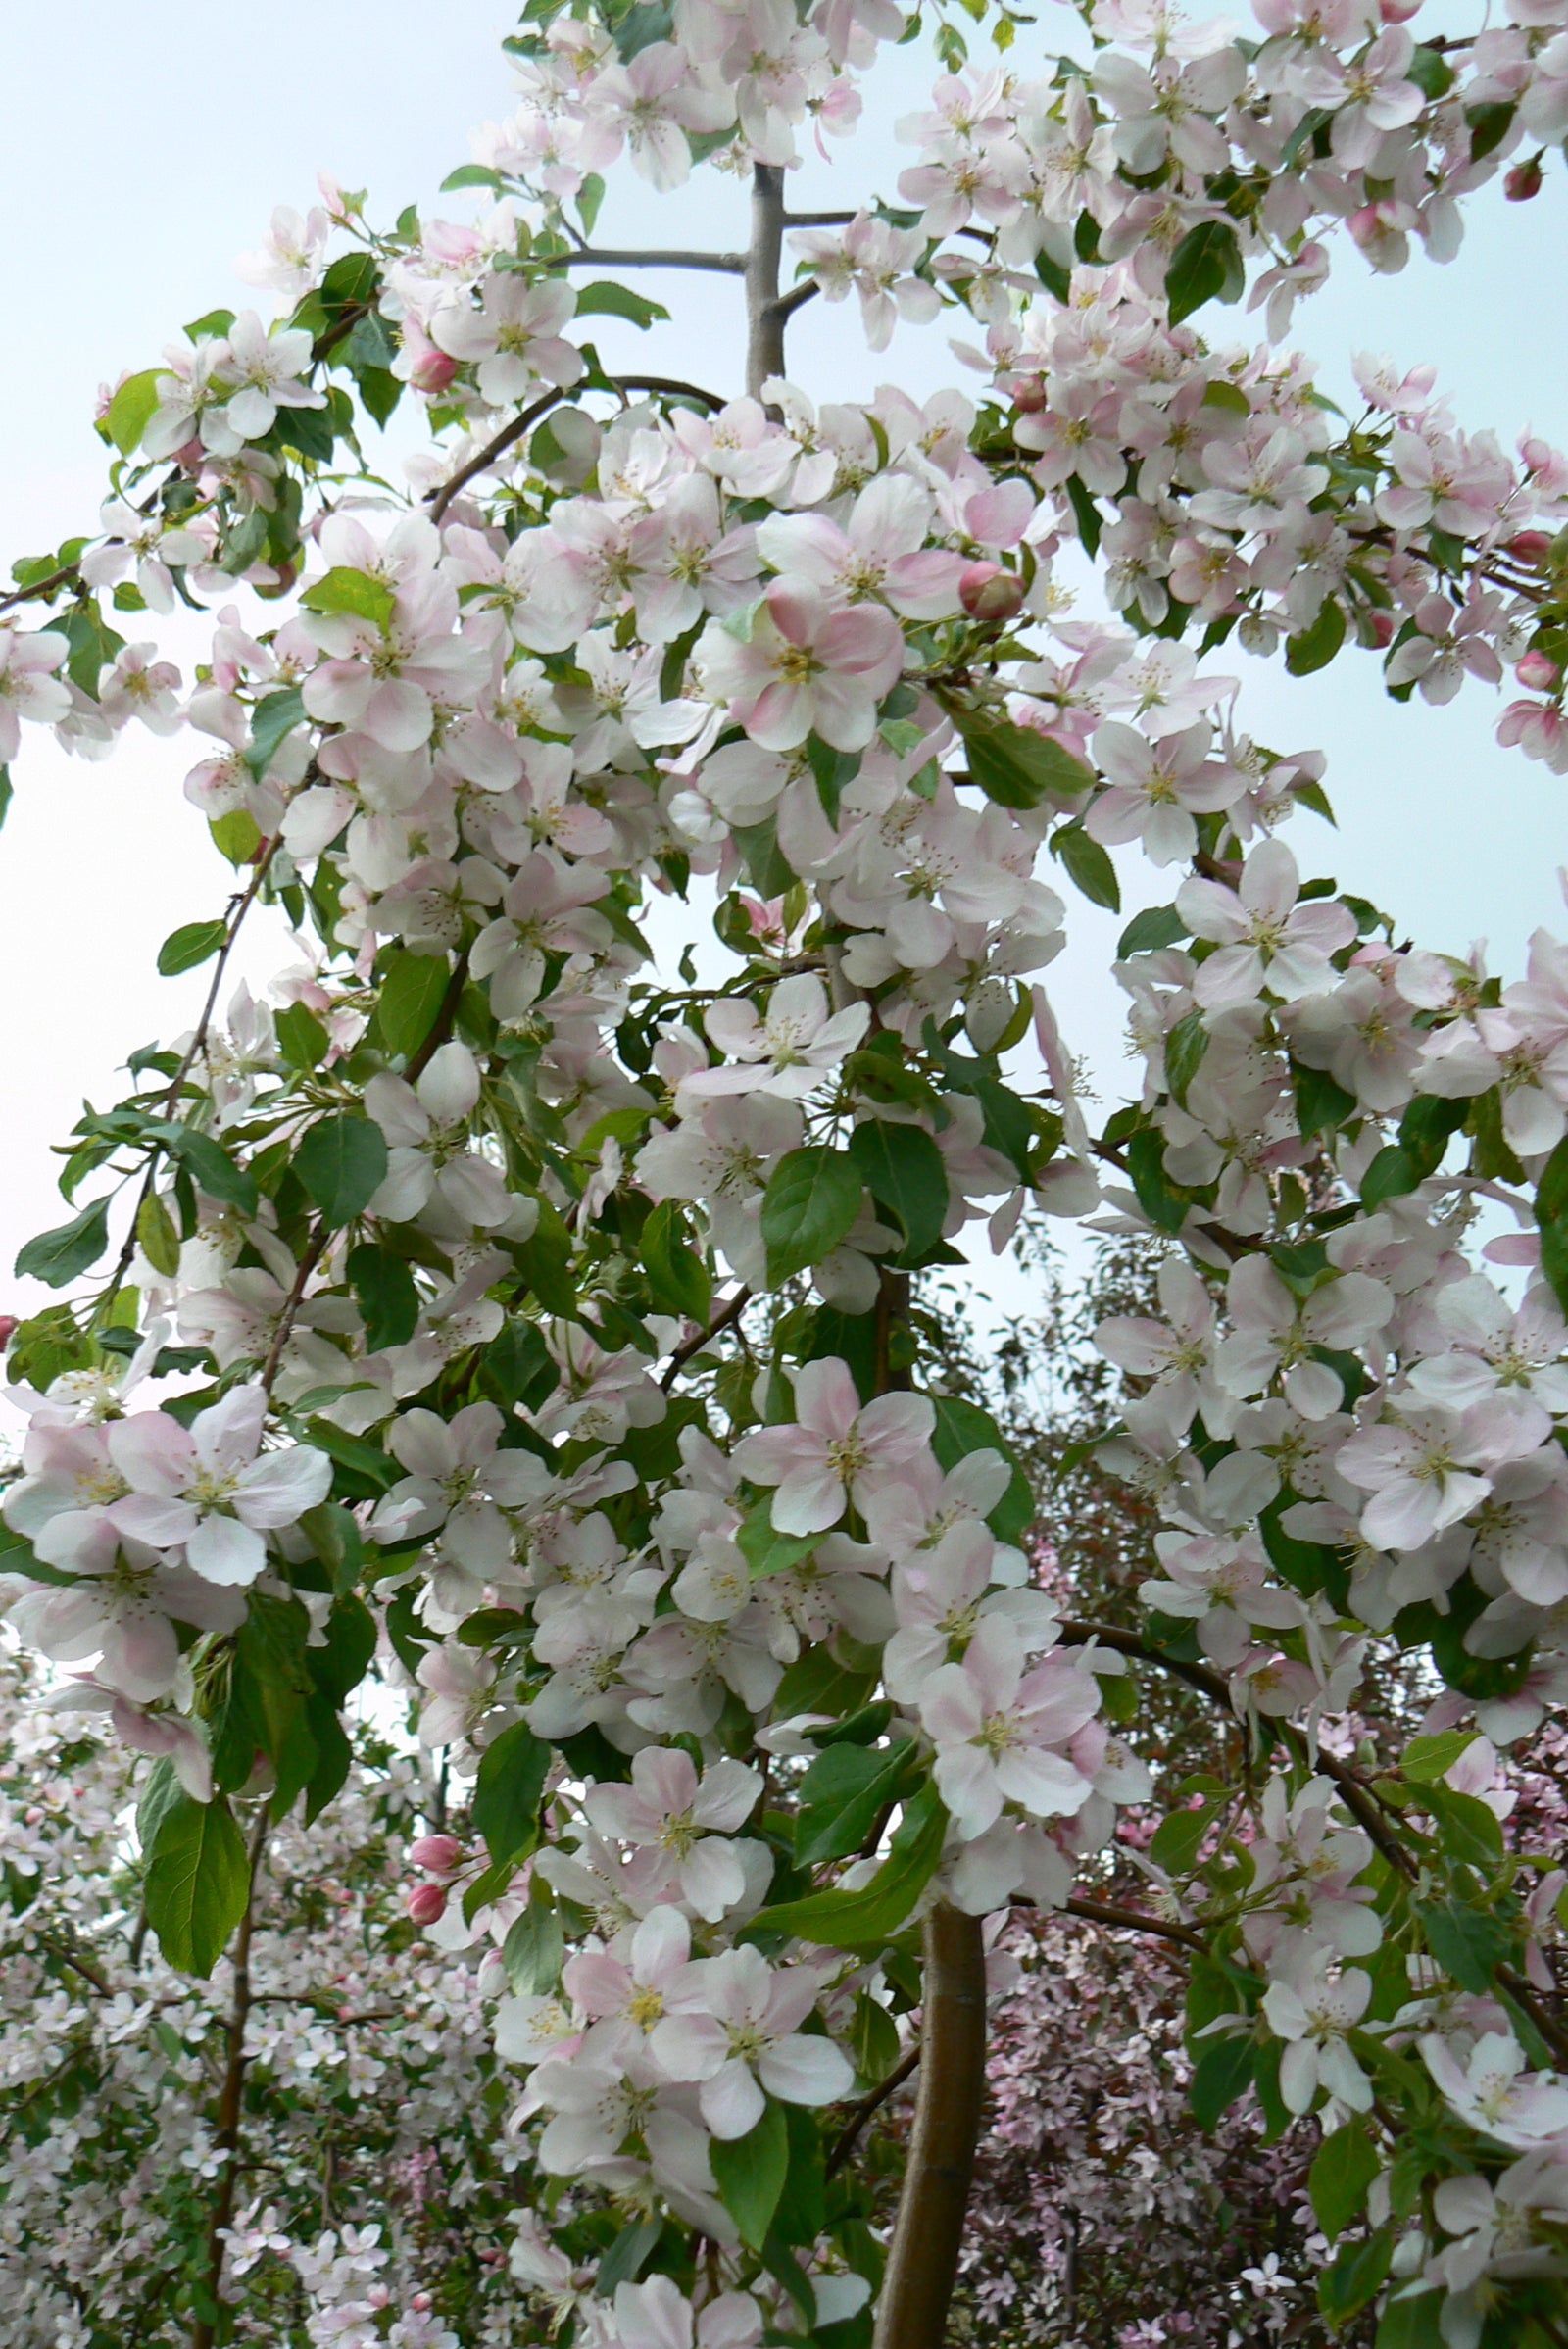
pixel 1426 1759
pixel 768 868
pixel 963 1428
pixel 1223 2073
pixel 1551 1214
pixel 383 1285
pixel 211 1164
pixel 903 1169
pixel 627 2256
pixel 334 1536
pixel 157 1798
pixel 184 949
pixel 1342 2168
pixel 1431 72
pixel 412 990
pixel 1165 1205
pixel 1355 2277
pixel 750 2174
pixel 868 1918
pixel 648 21
pixel 676 1273
pixel 507 1790
pixel 519 1366
pixel 471 174
pixel 1159 926
pixel 60 1257
pixel 1391 1173
pixel 1320 1100
pixel 1206 267
pixel 1416 2324
pixel 1089 866
pixel 1468 1944
pixel 809 1209
pixel 270 720
pixel 1179 1837
pixel 1489 126
pixel 1315 647
pixel 131 410
pixel 197 1883
pixel 1185 1048
pixel 352 592
pixel 342 1163
pixel 604 298
pixel 766 1550
pixel 157 1237
pixel 842 1794
pixel 533 1951
pixel 93 644
pixel 1013 764
pixel 833 771
pixel 301 1038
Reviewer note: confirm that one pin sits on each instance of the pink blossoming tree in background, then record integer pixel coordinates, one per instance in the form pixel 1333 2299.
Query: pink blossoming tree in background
pixel 551 1340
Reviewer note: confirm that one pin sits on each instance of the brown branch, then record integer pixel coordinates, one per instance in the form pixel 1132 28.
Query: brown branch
pixel 40 587
pixel 291 1305
pixel 784 308
pixel 845 2143
pixel 928 2234
pixel 734 1308
pixel 1137 1921
pixel 1128 1644
pixel 203 2331
pixel 764 338
pixel 510 434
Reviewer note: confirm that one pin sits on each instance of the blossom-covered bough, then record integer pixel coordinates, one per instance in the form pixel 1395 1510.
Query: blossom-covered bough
pixel 552 1324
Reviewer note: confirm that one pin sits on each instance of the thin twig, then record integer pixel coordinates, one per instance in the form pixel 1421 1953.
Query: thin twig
pixel 734 1308
pixel 511 433
pixel 40 587
pixel 291 1305
pixel 845 2143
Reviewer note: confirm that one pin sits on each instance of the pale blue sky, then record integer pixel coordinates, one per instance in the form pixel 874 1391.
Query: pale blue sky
pixel 142 153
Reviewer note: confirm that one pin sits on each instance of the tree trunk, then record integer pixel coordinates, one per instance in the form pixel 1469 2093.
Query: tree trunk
pixel 928 2236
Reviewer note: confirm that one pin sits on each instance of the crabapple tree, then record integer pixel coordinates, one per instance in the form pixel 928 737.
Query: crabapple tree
pixel 547 1332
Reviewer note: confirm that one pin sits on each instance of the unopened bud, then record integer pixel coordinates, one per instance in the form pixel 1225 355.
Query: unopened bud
pixel 1028 394
pixel 1530 547
pixel 9 1326
pixel 1538 670
pixel 440 1855
pixel 989 593
pixel 1523 181
pixel 427 1902
pixel 1378 628
pixel 1397 12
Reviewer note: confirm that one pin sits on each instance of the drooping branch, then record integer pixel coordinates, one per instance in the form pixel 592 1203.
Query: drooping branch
pixel 845 2143
pixel 928 2234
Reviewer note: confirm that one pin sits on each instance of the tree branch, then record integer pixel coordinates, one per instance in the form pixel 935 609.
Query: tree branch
pixel 1136 1921
pixel 731 265
pixel 510 434
pixel 787 305
pixel 734 1308
pixel 764 341
pixel 844 2143
pixel 204 2332
pixel 928 2234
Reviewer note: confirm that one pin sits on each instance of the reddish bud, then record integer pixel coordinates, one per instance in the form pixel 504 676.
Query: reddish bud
pixel 1397 12
pixel 1523 181
pixel 440 1855
pixel 989 593
pixel 427 1902
pixel 1028 394
pixel 1378 627
pixel 9 1326
pixel 1538 670
pixel 1530 547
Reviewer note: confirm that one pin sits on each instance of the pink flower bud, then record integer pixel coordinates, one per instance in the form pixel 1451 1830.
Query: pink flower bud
pixel 1530 547
pixel 1028 394
pixel 989 593
pixel 9 1326
pixel 1523 181
pixel 1378 628
pixel 427 1902
pixel 1538 670
pixel 1397 12
pixel 439 1855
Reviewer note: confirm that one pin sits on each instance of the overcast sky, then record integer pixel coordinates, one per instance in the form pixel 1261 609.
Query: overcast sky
pixel 141 156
